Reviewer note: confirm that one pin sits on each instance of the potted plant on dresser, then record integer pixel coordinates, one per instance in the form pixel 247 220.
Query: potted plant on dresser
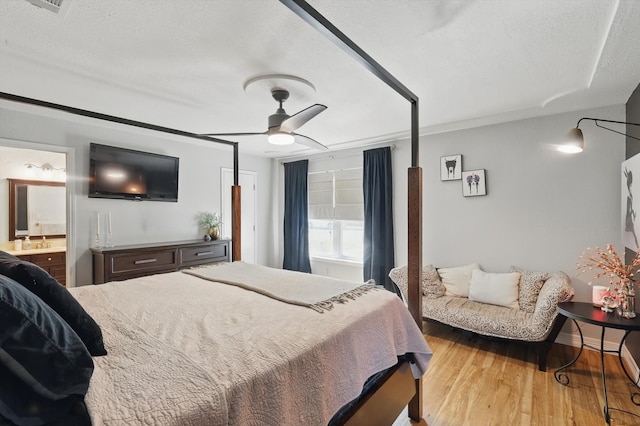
pixel 211 222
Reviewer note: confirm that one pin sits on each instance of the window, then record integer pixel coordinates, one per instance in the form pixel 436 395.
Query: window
pixel 336 214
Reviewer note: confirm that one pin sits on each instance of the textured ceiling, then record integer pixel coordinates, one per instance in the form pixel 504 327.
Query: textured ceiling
pixel 182 64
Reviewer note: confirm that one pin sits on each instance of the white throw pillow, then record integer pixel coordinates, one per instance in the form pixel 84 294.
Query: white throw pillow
pixel 456 280
pixel 495 289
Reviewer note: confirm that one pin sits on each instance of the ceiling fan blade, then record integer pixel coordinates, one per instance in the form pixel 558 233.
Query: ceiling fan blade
pixel 233 134
pixel 298 119
pixel 307 141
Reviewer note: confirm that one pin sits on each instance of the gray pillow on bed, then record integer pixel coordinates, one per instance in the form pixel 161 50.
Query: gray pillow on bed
pixel 39 282
pixel 44 365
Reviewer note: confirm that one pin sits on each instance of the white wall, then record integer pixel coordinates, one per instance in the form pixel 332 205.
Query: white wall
pixel 133 222
pixel 543 207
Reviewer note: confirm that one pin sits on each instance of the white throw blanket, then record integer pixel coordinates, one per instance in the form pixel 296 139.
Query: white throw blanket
pixel 313 291
pixel 188 351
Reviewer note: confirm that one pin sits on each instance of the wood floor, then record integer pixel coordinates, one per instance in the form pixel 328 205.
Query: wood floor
pixel 477 381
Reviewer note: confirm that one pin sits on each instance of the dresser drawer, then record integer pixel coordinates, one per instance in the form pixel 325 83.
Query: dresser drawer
pixel 143 262
pixel 45 259
pixel 203 254
pixel 59 272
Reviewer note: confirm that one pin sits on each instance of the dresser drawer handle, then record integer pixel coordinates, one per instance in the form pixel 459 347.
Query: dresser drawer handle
pixel 49 259
pixel 143 261
pixel 204 253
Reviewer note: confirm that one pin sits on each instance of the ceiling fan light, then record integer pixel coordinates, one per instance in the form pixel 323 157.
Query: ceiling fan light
pixel 574 142
pixel 281 138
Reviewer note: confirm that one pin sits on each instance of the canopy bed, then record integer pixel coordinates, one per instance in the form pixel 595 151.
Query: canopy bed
pixel 384 397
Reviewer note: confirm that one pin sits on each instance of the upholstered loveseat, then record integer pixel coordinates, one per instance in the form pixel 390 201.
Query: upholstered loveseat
pixel 520 305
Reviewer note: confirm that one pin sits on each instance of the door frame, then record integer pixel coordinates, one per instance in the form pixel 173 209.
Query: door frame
pixel 71 190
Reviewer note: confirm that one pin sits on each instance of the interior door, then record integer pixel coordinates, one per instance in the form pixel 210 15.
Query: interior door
pixel 247 181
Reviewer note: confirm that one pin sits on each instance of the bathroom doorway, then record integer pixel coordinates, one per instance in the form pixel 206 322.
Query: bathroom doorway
pixel 34 207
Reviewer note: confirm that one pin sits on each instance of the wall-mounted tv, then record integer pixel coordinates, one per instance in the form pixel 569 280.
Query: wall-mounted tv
pixel 132 175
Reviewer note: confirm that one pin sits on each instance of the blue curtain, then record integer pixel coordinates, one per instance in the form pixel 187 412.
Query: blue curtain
pixel 379 257
pixel 296 214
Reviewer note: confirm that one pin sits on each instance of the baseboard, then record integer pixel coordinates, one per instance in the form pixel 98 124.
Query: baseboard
pixel 571 339
pixel 634 370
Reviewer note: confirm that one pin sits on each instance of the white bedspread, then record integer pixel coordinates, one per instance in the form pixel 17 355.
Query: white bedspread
pixel 187 351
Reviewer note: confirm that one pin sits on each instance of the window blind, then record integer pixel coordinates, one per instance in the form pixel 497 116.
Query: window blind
pixel 336 195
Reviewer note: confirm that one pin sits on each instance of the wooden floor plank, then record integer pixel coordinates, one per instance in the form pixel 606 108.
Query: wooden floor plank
pixel 479 381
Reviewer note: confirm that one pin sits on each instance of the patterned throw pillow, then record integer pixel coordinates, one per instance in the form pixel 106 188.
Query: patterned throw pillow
pixel 432 287
pixel 530 285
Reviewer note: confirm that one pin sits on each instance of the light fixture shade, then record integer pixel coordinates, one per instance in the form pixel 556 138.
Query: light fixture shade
pixel 30 171
pixel 281 138
pixel 574 142
pixel 47 170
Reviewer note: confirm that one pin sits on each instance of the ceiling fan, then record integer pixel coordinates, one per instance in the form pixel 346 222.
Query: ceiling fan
pixel 282 125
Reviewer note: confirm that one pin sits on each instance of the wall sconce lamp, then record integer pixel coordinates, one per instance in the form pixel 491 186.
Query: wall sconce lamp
pixel 574 142
pixel 47 169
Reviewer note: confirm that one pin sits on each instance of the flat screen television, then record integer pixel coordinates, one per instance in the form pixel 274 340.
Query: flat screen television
pixel 132 175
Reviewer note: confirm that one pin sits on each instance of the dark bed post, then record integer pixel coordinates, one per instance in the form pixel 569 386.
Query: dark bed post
pixel 414 263
pixel 236 209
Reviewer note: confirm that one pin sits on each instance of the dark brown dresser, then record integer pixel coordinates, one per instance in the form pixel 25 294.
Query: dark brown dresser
pixel 123 262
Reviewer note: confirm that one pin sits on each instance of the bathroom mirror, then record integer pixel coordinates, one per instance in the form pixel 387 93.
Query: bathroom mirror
pixel 37 208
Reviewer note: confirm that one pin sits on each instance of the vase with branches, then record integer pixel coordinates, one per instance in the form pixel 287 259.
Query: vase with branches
pixel 211 222
pixel 621 275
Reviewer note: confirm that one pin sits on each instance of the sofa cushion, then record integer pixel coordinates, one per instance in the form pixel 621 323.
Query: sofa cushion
pixel 456 280
pixel 530 285
pixel 494 288
pixel 483 318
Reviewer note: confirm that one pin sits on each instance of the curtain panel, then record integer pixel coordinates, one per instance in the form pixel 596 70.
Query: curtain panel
pixel 296 217
pixel 379 255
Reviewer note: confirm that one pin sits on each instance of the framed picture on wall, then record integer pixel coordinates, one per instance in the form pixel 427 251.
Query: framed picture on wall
pixel 474 183
pixel 630 198
pixel 451 167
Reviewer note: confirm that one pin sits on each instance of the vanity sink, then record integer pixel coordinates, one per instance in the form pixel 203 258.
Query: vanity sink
pixel 36 251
